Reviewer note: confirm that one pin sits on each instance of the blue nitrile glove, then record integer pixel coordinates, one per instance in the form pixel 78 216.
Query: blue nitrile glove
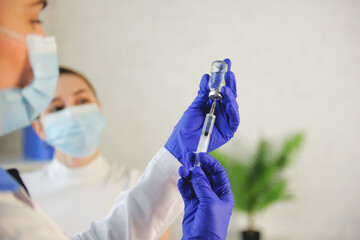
pixel 208 199
pixel 186 134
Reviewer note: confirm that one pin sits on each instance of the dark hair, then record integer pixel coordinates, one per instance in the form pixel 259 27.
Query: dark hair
pixel 66 70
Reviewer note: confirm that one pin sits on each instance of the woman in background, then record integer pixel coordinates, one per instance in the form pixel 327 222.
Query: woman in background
pixel 78 181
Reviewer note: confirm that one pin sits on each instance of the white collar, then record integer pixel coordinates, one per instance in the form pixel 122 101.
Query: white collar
pixel 94 171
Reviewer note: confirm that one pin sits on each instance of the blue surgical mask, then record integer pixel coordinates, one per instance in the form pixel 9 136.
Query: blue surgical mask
pixel 19 107
pixel 75 130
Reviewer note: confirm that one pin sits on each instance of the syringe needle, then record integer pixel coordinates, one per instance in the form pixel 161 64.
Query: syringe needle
pixel 212 110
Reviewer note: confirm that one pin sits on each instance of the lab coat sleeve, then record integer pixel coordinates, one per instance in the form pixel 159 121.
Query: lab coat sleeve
pixel 145 211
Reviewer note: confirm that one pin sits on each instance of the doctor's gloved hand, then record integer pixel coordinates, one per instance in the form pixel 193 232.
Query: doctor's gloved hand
pixel 208 199
pixel 186 134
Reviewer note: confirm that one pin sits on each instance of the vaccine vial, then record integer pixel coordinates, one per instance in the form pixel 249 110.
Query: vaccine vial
pixel 217 79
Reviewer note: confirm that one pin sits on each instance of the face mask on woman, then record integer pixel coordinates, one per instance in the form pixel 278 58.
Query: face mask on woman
pixel 19 107
pixel 75 130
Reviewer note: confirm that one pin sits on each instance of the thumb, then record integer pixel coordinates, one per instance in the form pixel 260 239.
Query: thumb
pixel 201 184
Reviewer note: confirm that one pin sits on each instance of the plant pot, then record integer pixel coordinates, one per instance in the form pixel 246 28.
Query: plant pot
pixel 250 235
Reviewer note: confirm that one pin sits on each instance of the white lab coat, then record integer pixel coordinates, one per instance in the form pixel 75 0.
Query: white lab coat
pixel 143 212
pixel 62 192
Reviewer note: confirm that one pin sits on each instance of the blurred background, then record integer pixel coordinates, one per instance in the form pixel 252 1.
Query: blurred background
pixel 297 69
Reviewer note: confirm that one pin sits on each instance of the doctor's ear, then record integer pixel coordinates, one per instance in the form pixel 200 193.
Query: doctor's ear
pixel 38 128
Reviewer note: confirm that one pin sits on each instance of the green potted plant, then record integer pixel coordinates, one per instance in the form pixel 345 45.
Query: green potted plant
pixel 258 182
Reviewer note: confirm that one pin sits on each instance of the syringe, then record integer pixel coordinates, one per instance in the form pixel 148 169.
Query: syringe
pixel 216 82
pixel 206 132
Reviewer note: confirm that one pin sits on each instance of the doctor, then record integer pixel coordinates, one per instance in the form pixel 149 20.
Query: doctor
pixel 28 76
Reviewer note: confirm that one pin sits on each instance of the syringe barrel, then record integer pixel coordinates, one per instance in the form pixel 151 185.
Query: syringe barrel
pixel 205 135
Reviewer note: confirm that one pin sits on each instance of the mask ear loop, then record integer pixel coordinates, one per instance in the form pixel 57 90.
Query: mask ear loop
pixel 39 120
pixel 12 34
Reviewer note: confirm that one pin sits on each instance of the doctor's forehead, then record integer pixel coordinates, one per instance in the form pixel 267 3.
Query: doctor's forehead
pixel 71 84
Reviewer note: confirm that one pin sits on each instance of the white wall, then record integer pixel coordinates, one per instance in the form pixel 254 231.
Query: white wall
pixel 297 66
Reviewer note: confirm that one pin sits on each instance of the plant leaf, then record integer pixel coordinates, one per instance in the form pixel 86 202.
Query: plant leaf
pixel 290 147
pixel 274 193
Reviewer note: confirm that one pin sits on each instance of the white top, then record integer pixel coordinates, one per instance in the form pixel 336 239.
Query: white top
pixel 143 212
pixel 62 192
